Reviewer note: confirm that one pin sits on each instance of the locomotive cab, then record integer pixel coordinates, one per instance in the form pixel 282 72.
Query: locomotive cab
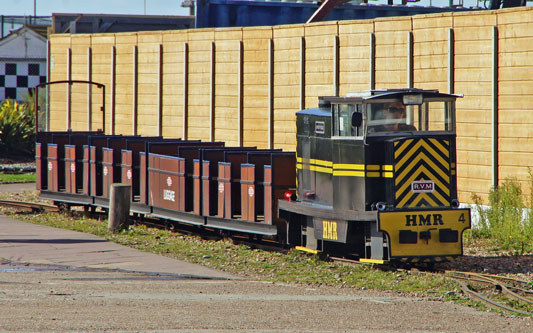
pixel 377 177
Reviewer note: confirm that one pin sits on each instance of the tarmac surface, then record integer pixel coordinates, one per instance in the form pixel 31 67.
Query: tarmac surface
pixel 36 244
pixel 59 280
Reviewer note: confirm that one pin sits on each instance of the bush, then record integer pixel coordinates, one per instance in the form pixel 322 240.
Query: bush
pixel 17 129
pixel 509 219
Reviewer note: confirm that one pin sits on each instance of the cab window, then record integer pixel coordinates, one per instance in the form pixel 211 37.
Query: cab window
pixel 394 116
pixel 342 125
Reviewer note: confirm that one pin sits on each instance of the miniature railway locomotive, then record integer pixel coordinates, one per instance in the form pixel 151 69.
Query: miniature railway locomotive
pixel 374 177
pixel 377 177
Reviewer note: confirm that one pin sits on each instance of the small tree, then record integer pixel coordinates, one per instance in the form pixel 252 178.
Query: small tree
pixel 17 129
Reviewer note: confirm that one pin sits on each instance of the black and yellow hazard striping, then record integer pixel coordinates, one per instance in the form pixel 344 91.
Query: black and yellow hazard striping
pixel 415 260
pixel 349 170
pixel 422 159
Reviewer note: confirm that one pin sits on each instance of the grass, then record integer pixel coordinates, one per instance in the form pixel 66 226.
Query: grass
pixel 8 178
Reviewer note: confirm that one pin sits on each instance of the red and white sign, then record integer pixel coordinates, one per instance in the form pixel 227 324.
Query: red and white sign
pixel 73 168
pixel 221 188
pixel 50 166
pixel 251 191
pixel 105 171
pixel 128 174
pixel 169 181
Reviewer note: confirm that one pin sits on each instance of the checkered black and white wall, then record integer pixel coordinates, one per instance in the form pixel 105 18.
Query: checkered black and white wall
pixel 17 76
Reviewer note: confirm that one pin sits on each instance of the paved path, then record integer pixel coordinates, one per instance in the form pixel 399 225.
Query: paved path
pixel 35 244
pixel 17 188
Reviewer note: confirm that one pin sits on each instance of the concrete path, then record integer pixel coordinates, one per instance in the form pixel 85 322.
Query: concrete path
pixel 35 244
pixel 17 188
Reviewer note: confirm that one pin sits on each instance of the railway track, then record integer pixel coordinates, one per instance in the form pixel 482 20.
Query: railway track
pixel 507 294
pixel 504 293
pixel 499 292
pixel 31 206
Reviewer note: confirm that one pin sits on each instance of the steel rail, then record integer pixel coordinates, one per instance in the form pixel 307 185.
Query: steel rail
pixel 490 279
pixel 34 206
pixel 488 301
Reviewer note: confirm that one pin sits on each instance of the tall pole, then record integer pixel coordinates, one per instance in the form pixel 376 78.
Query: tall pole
pixel 34 8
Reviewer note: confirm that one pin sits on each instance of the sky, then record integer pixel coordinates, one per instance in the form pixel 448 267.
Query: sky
pixel 135 7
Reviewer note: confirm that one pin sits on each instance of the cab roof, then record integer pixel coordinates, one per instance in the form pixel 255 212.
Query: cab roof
pixel 387 94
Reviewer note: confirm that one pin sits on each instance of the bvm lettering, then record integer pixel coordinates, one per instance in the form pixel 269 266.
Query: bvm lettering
pixel 421 219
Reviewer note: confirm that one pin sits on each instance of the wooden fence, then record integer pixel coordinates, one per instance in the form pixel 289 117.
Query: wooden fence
pixel 244 85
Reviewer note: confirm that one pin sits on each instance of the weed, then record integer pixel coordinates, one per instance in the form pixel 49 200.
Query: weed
pixel 508 220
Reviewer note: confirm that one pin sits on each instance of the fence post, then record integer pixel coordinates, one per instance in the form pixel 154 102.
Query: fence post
pixel 119 207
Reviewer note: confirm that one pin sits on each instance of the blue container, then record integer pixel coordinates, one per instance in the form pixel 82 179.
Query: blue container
pixel 235 13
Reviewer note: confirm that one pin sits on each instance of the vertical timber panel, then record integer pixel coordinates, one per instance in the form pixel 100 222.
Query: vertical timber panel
pixel 391 51
pixel 125 80
pixel 319 61
pixel 101 45
pixel 287 46
pixel 79 91
pixel 227 78
pixel 515 94
pixel 430 51
pixel 257 86
pixel 173 78
pixel 148 82
pixel 354 55
pixel 473 68
pixel 199 97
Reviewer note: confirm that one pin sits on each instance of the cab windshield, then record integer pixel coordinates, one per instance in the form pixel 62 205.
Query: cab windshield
pixel 393 116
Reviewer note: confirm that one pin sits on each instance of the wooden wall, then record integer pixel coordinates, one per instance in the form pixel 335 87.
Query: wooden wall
pixel 244 85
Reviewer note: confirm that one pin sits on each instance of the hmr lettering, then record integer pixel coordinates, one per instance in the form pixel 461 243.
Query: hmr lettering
pixel 428 219
pixel 329 230
pixel 169 195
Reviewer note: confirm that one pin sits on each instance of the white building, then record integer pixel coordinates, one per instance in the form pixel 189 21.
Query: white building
pixel 22 61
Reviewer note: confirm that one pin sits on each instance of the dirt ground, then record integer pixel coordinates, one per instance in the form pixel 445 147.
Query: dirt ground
pixel 41 298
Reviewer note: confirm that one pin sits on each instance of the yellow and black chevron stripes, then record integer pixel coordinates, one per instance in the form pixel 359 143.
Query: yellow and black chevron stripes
pixel 414 260
pixel 422 159
pixel 350 170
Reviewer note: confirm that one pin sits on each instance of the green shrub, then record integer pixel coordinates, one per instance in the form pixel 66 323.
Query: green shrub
pixel 508 220
pixel 17 129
